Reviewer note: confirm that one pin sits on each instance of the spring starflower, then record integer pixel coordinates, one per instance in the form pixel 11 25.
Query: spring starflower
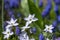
pixel 11 23
pixel 7 33
pixel 48 28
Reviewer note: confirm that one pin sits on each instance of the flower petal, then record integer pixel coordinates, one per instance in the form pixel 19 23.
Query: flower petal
pixel 12 20
pixel 8 26
pixel 50 31
pixel 15 24
pixel 8 22
pixel 5 36
pixel 11 33
pixel 4 32
pixel 34 19
pixel 26 19
pixel 15 20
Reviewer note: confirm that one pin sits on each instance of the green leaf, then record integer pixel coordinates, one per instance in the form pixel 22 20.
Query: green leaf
pixel 34 10
pixel 24 9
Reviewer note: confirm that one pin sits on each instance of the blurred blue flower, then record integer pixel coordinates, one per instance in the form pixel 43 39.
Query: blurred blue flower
pixel 57 2
pixel 10 12
pixel 18 31
pixel 46 11
pixel 6 1
pixel 33 30
pixel 49 2
pixel 53 37
pixel 12 16
pixel 11 3
pixel 56 9
pixel 58 18
pixel 14 3
pixel 48 7
pixel 23 36
pixel 6 6
pixel 54 24
pixel 57 38
pixel 40 3
pixel 4 25
pixel 41 37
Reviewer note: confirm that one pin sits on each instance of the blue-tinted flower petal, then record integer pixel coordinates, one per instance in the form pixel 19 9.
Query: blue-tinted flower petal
pixel 18 31
pixel 41 37
pixel 56 9
pixel 14 3
pixel 40 3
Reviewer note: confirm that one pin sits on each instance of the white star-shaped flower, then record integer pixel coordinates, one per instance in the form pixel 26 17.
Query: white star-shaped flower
pixel 23 36
pixel 27 24
pixel 30 18
pixel 25 27
pixel 49 28
pixel 7 33
pixel 11 23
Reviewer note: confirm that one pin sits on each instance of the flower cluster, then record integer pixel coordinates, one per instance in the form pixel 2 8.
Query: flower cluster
pixel 11 4
pixel 56 10
pixel 28 20
pixel 45 13
pixel 8 25
pixel 8 30
pixel 40 3
pixel 13 27
pixel 23 35
pixel 47 29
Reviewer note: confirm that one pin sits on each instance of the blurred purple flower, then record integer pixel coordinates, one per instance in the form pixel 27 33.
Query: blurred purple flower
pixel 40 3
pixel 49 2
pixel 47 8
pixel 46 11
pixel 4 25
pixel 12 16
pixel 18 31
pixel 54 24
pixel 53 37
pixel 41 37
pixel 23 36
pixel 10 12
pixel 57 38
pixel 14 3
pixel 6 1
pixel 6 6
pixel 57 2
pixel 56 9
pixel 58 18
pixel 33 30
